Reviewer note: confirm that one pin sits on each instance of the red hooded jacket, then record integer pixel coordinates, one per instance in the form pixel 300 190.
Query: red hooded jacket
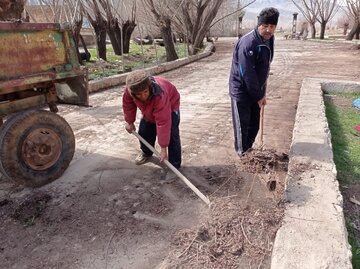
pixel 157 109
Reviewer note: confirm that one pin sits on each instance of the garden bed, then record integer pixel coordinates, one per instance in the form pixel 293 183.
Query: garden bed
pixel 343 119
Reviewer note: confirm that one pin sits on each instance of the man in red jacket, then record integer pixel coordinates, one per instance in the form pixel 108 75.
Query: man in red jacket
pixel 159 102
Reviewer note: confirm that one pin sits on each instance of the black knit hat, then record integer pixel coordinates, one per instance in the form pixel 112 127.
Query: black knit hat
pixel 268 15
pixel 138 81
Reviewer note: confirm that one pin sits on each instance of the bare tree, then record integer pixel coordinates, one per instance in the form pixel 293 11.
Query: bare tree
pixel 99 24
pixel 60 11
pixel 346 27
pixel 222 25
pixel 4 7
pixel 304 30
pixel 344 22
pixel 326 11
pixel 119 31
pixel 353 10
pixel 73 11
pixel 128 28
pixel 52 10
pixel 198 16
pixel 310 10
pixel 159 10
pixel 11 9
pixel 237 15
pixel 190 20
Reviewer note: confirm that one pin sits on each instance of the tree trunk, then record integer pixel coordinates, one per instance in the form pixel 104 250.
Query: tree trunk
pixel 114 42
pixel 4 7
pixel 99 25
pixel 322 29
pixel 313 30
pixel 100 32
pixel 346 27
pixel 166 33
pixel 128 28
pixel 205 13
pixel 83 43
pixel 114 33
pixel 115 39
pixel 198 42
pixel 76 28
pixel 353 31
pixel 11 9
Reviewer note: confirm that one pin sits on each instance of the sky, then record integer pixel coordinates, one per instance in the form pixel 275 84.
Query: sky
pixel 285 7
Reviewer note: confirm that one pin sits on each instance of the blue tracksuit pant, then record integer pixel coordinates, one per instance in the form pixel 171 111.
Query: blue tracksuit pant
pixel 246 119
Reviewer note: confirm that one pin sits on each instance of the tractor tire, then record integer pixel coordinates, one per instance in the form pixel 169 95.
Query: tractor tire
pixel 36 147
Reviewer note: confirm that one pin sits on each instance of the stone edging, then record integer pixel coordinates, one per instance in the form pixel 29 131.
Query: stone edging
pixel 354 41
pixel 313 234
pixel 115 80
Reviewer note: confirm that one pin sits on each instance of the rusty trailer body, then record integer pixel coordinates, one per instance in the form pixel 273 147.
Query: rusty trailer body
pixel 39 68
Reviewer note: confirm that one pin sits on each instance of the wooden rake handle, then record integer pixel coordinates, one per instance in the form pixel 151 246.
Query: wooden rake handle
pixel 177 172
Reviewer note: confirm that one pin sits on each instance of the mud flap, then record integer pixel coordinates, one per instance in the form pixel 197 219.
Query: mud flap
pixel 74 91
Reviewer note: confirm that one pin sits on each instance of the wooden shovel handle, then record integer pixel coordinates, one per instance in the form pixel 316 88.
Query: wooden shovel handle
pixel 262 125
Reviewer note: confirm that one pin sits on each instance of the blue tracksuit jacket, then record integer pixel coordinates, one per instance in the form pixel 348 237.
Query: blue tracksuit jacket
pixel 250 68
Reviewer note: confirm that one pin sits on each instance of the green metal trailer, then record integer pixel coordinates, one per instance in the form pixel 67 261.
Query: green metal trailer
pixel 39 69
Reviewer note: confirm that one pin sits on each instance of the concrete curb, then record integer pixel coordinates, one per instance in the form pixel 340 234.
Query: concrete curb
pixel 313 234
pixel 101 84
pixel 343 41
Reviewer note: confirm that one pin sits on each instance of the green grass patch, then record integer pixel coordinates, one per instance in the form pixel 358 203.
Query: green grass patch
pixel 138 57
pixel 355 248
pixel 342 118
pixel 346 143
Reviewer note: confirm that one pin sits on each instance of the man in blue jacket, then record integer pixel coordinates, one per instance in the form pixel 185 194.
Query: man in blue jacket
pixel 250 68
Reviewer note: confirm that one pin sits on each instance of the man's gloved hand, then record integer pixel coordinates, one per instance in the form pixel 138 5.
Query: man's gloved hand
pixel 163 154
pixel 130 128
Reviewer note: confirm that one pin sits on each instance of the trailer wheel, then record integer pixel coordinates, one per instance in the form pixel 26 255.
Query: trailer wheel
pixel 36 147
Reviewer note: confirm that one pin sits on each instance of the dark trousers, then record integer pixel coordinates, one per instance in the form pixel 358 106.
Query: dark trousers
pixel 148 131
pixel 246 119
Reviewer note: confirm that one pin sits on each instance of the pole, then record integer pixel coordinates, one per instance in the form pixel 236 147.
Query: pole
pixel 262 125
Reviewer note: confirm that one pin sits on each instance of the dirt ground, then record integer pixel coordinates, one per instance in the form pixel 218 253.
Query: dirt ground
pixel 105 212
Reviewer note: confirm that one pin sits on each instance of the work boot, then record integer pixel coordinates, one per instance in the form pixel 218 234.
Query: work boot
pixel 141 159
